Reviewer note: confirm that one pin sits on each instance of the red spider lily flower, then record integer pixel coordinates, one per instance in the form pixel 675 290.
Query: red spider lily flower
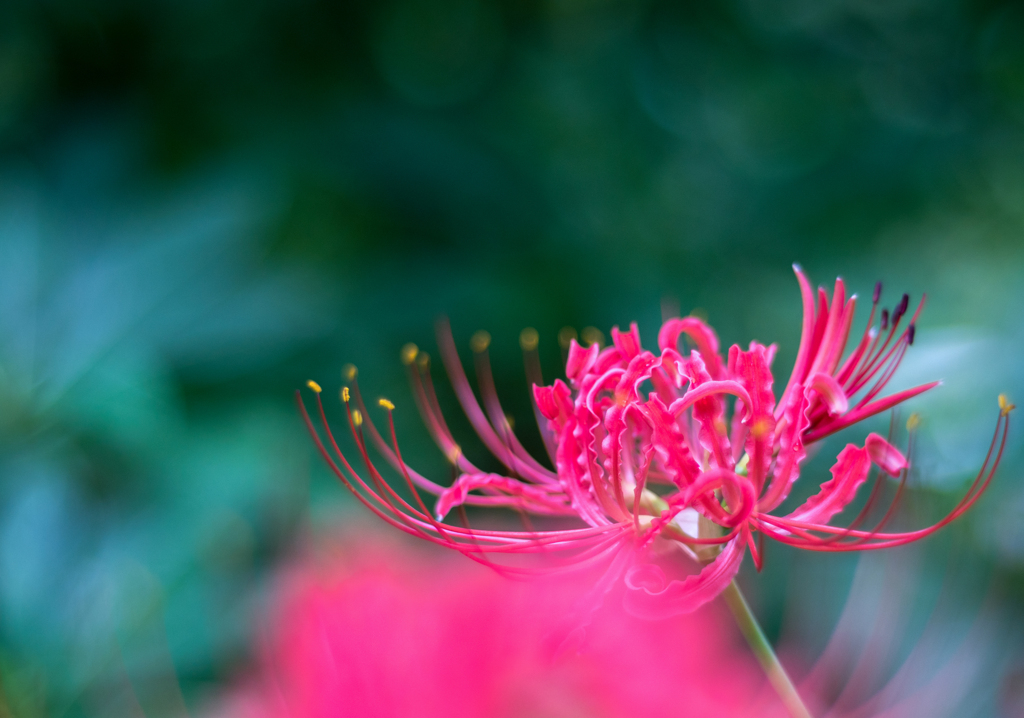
pixel 646 444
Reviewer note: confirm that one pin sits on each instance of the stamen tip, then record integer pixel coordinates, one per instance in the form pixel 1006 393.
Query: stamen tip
pixel 1005 407
pixel 901 308
pixel 911 330
pixel 878 293
pixel 386 404
pixel 349 372
pixel 314 386
pixel 423 360
pixel 357 417
pixel 593 335
pixel 409 352
pixel 565 336
pixel 480 341
pixel 913 421
pixel 529 339
pixel 344 394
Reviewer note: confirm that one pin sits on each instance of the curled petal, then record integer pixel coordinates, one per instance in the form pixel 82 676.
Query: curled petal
pixel 544 396
pixel 607 358
pixel 831 393
pixel 605 382
pixel 580 360
pixel 751 369
pixel 850 471
pixel 833 340
pixel 707 389
pixel 638 371
pixel 649 593
pixel 791 451
pixel 673 364
pixel 803 353
pixel 627 342
pixel 519 493
pixel 701 334
pixel 553 401
pixel 669 443
pixel 739 492
pixel 887 456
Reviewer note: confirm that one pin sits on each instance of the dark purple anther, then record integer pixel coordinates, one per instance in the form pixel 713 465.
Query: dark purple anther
pixel 910 334
pixel 901 309
pixel 885 319
pixel 878 293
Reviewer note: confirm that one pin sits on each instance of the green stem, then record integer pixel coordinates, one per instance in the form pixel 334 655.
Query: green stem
pixel 763 650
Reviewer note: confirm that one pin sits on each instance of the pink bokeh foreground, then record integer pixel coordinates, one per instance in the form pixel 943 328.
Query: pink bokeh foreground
pixel 380 629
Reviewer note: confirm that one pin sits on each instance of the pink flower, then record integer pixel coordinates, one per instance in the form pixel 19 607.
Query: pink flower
pixel 376 629
pixel 628 419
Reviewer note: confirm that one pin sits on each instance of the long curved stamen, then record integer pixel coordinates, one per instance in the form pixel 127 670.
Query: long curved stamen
pixel 528 467
pixel 430 411
pixel 403 469
pixel 392 456
pixel 879 481
pixel 464 393
pixel 880 357
pixel 528 342
pixel 394 459
pixel 878 540
pixel 386 510
pixel 419 524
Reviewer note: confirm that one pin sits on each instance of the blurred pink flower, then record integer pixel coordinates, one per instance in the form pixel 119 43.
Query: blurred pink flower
pixel 380 630
pixel 630 419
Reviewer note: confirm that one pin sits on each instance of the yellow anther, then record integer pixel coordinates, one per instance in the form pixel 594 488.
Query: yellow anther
pixel 699 313
pixel 510 421
pixel 314 386
pixel 386 404
pixel 480 341
pixel 357 417
pixel 454 453
pixel 409 352
pixel 423 360
pixel 528 339
pixel 344 394
pixel 1005 407
pixel 349 372
pixel 593 335
pixel 913 421
pixel 565 336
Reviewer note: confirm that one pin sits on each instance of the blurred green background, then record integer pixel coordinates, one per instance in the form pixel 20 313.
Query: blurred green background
pixel 204 204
